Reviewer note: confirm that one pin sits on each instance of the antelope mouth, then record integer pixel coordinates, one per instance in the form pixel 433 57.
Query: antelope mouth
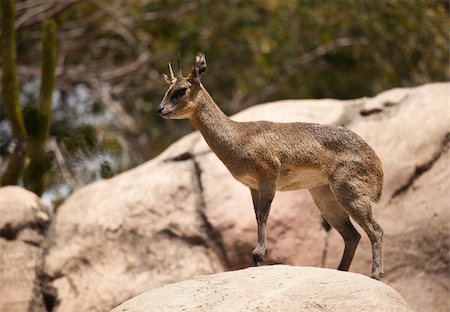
pixel 165 115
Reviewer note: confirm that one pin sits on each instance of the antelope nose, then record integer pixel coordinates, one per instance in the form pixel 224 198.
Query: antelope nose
pixel 160 108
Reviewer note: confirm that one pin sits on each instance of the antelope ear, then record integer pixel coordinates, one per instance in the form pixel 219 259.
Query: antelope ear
pixel 199 66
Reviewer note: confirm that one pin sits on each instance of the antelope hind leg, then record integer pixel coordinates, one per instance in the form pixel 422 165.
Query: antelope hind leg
pixel 338 218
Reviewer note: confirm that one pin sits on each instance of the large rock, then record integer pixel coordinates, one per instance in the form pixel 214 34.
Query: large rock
pixel 140 230
pixel 272 288
pixel 182 214
pixel 22 224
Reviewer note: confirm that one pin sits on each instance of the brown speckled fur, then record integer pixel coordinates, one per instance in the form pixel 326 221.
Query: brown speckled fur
pixel 341 171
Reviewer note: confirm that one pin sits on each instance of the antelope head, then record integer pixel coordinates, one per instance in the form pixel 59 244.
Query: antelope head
pixel 180 100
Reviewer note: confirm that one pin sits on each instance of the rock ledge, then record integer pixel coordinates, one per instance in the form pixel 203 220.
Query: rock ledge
pixel 272 288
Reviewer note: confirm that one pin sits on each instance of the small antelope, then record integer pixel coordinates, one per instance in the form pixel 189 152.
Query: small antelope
pixel 340 170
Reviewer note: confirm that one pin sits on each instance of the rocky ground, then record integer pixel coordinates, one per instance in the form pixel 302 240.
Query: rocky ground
pixel 182 215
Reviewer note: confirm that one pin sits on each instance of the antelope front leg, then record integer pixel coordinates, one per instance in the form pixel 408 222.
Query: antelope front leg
pixel 262 201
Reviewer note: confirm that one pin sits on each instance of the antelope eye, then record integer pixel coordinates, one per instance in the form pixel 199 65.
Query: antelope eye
pixel 179 93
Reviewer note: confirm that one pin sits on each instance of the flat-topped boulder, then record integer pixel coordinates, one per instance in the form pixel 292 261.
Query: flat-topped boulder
pixel 272 288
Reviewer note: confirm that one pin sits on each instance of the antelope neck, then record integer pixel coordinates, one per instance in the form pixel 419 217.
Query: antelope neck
pixel 218 130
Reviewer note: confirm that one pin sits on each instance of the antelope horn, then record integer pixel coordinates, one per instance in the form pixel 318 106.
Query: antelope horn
pixel 172 77
pixel 179 73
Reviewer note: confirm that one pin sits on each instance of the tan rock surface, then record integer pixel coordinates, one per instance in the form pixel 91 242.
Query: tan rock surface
pixel 272 288
pixel 22 223
pixel 182 214
pixel 140 230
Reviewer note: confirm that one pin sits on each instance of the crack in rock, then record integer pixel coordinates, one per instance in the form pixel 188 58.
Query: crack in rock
pixel 186 156
pixel 193 240
pixel 215 238
pixel 368 112
pixel 182 157
pixel 421 169
pixel 11 231
pixel 386 104
pixel 45 296
pixel 325 249
pixel 213 234
pixel 327 227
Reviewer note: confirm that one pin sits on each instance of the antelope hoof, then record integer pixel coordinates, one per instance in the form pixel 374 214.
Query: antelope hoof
pixel 258 255
pixel 377 274
pixel 257 260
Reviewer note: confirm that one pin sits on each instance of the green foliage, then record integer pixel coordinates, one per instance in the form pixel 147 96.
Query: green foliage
pixel 39 119
pixel 32 139
pixel 38 165
pixel 106 171
pixel 10 93
pixel 48 67
pixel 260 51
pixel 10 85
